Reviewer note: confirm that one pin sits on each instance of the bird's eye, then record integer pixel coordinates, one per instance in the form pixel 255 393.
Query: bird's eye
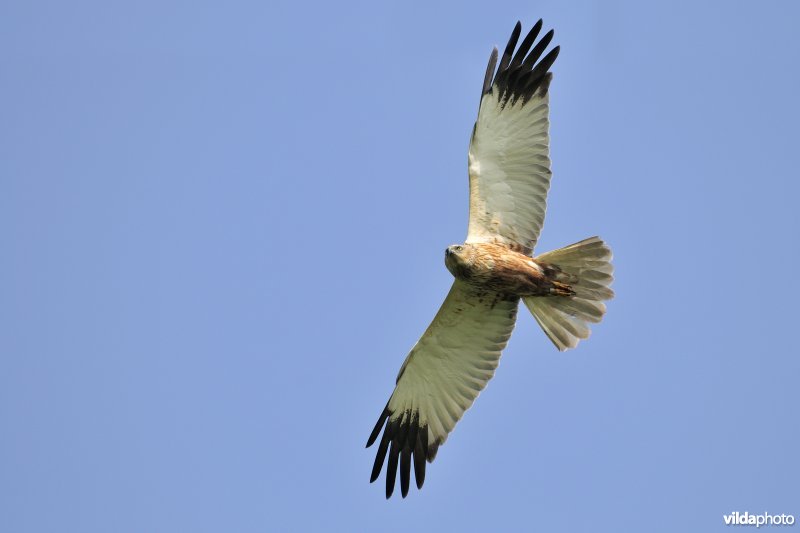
pixel 458 248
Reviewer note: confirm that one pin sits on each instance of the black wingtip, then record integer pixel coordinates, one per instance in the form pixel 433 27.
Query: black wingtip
pixel 512 43
pixel 539 73
pixel 420 451
pixel 404 443
pixel 537 51
pixel 380 456
pixel 489 76
pixel 405 470
pixel 522 76
pixel 377 430
pixel 391 469
pixel 432 450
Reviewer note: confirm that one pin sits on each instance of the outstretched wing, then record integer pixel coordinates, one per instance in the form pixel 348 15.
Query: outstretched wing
pixel 509 165
pixel 441 377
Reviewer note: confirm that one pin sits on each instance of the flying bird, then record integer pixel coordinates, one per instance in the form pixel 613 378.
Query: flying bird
pixel 509 176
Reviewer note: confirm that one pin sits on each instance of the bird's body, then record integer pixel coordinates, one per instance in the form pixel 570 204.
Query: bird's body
pixel 509 177
pixel 498 268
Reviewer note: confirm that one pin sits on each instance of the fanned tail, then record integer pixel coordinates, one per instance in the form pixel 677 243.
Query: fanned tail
pixel 586 268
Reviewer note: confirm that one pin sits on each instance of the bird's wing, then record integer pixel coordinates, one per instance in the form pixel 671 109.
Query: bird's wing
pixel 441 377
pixel 509 165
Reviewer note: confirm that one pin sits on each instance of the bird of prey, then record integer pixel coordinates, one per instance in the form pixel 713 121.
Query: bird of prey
pixel 509 176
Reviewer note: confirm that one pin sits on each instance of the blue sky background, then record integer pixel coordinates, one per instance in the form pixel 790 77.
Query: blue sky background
pixel 222 228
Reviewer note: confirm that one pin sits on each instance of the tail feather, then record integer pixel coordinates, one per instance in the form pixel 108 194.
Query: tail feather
pixel 586 267
pixel 563 331
pixel 581 308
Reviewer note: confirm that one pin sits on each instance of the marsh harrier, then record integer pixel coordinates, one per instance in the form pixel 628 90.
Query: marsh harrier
pixel 509 176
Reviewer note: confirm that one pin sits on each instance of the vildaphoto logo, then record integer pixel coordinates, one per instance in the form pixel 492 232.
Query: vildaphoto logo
pixel 746 519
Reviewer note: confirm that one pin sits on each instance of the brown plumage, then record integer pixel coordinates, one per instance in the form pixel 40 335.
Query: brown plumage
pixel 497 267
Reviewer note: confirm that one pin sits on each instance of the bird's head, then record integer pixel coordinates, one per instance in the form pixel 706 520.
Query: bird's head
pixel 458 259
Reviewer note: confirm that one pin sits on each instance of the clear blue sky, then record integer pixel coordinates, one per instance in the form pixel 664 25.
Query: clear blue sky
pixel 222 228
